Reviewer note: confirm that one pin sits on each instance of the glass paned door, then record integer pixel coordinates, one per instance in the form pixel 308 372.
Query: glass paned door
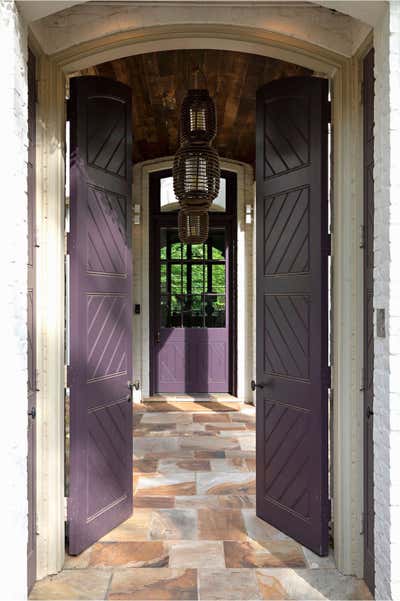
pixel 192 281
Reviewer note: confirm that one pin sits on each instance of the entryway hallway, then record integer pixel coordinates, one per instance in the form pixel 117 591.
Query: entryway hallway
pixel 194 533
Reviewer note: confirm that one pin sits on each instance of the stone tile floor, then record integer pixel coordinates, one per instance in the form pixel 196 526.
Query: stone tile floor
pixel 194 534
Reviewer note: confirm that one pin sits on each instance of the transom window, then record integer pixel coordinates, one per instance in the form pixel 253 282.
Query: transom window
pixel 192 281
pixel 168 201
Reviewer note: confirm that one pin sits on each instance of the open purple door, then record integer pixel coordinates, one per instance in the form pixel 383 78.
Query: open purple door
pixel 292 309
pixel 100 493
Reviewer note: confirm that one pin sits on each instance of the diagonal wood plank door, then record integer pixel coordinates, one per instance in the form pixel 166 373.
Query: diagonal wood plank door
pixel 369 512
pixel 100 494
pixel 292 309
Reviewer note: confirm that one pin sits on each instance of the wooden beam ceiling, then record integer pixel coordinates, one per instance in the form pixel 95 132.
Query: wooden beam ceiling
pixel 159 81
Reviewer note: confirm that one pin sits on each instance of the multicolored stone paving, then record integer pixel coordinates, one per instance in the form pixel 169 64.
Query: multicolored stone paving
pixel 194 534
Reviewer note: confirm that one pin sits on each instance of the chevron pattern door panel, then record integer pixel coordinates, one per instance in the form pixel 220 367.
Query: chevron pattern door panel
pixel 100 469
pixel 292 309
pixel 287 333
pixel 369 519
pixel 107 252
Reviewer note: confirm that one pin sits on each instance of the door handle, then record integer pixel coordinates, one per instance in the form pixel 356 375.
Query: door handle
pixel 369 412
pixel 129 396
pixel 32 413
pixel 254 385
pixel 132 385
pixel 158 337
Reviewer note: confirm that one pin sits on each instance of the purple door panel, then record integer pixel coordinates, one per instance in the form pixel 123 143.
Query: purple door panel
pixel 369 512
pixel 292 309
pixel 100 495
pixel 193 360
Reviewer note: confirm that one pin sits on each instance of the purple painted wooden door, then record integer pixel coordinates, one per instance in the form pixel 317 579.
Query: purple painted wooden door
pixel 191 344
pixel 368 99
pixel 292 309
pixel 31 321
pixel 100 495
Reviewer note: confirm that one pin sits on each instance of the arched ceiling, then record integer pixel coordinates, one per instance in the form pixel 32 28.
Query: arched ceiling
pixel 159 81
pixel 95 22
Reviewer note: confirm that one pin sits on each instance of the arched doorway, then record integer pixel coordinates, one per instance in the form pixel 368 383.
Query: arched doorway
pixel 276 45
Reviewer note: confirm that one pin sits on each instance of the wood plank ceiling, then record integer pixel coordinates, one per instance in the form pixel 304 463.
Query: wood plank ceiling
pixel 159 81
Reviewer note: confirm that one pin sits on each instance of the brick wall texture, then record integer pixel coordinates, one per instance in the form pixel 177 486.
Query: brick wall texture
pixel 387 296
pixel 13 259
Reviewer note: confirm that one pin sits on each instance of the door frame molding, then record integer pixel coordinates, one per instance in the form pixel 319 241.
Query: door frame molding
pixel 245 330
pixel 347 290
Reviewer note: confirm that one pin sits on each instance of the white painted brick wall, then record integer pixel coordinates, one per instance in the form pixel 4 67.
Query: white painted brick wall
pixel 13 258
pixel 387 296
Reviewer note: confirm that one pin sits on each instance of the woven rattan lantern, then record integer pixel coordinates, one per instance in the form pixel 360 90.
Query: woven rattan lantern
pixel 196 175
pixel 196 171
pixel 193 226
pixel 198 118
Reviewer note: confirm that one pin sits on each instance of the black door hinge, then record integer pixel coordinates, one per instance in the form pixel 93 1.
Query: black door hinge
pixel 329 510
pixel 329 112
pixel 328 377
pixel 329 244
pixel 68 109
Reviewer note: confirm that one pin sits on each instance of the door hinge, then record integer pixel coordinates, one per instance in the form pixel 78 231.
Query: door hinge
pixel 362 236
pixel 329 112
pixel 329 245
pixel 68 109
pixel 329 376
pixel 329 510
pixel 362 380
pixel 68 244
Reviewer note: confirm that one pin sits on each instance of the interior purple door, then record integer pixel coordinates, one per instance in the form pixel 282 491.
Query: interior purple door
pixel 100 474
pixel 192 339
pixel 31 321
pixel 292 309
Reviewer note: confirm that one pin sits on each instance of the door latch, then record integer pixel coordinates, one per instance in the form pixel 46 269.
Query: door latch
pixel 132 385
pixel 32 413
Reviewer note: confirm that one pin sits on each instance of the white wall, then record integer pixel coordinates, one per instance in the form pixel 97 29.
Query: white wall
pixel 245 261
pixel 13 307
pixel 387 296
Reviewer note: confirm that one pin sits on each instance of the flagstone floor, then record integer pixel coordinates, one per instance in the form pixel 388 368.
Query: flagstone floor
pixel 194 534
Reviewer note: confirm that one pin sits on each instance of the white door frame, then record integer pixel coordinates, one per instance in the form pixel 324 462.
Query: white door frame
pixel 244 279
pixel 346 261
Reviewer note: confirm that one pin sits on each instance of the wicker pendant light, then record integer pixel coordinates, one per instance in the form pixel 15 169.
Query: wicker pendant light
pixel 196 171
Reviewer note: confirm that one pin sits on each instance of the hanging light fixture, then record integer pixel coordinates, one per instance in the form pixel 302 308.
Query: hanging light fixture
pixel 196 171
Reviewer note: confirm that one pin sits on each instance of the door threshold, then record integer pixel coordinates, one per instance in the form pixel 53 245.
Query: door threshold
pixel 191 398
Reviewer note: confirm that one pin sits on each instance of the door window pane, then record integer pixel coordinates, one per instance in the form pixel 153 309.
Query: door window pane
pixel 217 245
pixel 197 279
pixel 218 278
pixel 197 251
pixel 176 278
pixel 163 278
pixel 214 311
pixel 193 314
